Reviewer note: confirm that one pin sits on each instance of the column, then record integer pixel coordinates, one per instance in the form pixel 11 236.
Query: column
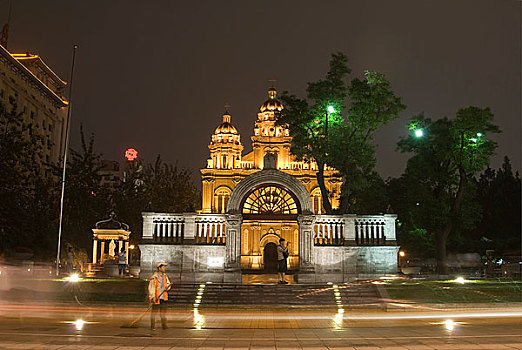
pixel 120 245
pixel 233 243
pixel 94 251
pixel 102 251
pixel 127 252
pixel 306 240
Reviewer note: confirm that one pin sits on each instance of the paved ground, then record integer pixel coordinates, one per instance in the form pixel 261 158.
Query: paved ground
pixel 52 326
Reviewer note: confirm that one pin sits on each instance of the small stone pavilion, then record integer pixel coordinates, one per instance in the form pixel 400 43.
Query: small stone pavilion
pixel 250 201
pixel 111 236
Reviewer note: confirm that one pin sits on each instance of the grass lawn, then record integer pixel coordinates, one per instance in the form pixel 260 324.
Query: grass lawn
pixel 85 290
pixel 474 291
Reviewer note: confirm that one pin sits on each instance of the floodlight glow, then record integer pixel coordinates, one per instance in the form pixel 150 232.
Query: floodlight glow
pixel 79 324
pixel 419 133
pixel 402 254
pixel 74 278
pixel 331 109
pixel 460 280
pixel 473 140
pixel 449 324
pixel 479 134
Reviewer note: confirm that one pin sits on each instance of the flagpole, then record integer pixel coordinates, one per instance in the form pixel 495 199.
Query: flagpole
pixel 65 151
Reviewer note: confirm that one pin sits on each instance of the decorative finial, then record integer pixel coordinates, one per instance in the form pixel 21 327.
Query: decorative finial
pixel 226 115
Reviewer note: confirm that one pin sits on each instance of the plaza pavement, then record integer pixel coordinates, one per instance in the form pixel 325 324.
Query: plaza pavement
pixel 461 326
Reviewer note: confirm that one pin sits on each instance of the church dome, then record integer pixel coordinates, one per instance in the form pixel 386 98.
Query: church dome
pixel 226 127
pixel 272 104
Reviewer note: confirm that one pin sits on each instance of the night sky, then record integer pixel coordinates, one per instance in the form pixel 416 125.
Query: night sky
pixel 155 75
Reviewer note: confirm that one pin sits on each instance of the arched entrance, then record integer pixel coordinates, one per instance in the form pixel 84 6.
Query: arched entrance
pixel 270 258
pixel 269 203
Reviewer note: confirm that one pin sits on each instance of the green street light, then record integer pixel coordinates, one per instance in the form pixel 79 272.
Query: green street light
pixel 331 109
pixel 479 134
pixel 419 133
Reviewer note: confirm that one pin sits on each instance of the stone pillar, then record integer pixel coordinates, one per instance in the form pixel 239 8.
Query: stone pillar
pixel 102 251
pixel 389 227
pixel 148 226
pixel 120 245
pixel 94 251
pixel 349 229
pixel 306 248
pixel 190 226
pixel 233 249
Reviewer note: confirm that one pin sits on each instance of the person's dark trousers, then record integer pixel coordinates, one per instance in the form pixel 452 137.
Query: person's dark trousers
pixel 121 269
pixel 160 308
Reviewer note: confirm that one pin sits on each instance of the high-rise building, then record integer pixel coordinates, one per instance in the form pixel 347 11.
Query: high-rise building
pixel 38 94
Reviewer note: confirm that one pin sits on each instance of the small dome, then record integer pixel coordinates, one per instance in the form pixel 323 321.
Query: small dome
pixel 272 104
pixel 226 127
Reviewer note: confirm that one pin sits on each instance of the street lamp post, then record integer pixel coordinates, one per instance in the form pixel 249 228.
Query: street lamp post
pixel 67 127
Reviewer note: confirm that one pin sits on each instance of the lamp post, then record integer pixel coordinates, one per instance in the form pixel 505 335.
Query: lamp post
pixel 67 127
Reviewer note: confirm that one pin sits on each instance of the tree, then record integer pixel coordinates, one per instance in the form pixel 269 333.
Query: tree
pixel 447 154
pixel 26 186
pixel 86 201
pixel 324 132
pixel 158 187
pixel 499 195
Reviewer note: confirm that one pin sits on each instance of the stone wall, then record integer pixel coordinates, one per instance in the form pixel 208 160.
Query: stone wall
pixel 343 264
pixel 186 263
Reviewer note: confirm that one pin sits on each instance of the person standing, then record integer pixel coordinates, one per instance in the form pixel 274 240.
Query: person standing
pixel 122 262
pixel 282 255
pixel 159 285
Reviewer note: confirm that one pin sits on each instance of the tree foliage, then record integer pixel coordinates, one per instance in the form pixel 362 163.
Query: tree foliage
pixel 27 190
pixel 445 159
pixel 342 139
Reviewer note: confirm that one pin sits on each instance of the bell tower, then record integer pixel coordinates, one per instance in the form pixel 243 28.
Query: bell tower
pixel 269 137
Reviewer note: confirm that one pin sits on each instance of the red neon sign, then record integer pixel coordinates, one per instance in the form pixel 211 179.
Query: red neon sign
pixel 131 154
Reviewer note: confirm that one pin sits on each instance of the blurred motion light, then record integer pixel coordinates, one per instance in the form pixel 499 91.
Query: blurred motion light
pixel 79 324
pixel 449 324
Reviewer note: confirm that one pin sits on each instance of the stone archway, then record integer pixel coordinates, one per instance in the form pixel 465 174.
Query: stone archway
pixel 304 220
pixel 287 181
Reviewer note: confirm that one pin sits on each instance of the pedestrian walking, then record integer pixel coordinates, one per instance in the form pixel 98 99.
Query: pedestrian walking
pixel 122 262
pixel 159 284
pixel 282 255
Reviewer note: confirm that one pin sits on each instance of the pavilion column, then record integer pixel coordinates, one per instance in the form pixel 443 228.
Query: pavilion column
pixel 94 251
pixel 127 252
pixel 102 251
pixel 120 245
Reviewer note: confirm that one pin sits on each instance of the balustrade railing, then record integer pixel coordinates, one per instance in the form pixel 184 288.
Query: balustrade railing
pixel 169 230
pixel 329 230
pixel 370 231
pixel 210 230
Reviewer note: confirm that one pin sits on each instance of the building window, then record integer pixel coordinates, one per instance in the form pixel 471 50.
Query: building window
pixel 317 201
pixel 221 197
pixel 270 200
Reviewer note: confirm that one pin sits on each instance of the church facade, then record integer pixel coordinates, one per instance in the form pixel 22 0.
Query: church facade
pixel 250 201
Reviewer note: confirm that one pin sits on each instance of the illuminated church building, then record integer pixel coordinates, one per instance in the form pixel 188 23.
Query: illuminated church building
pixel 250 201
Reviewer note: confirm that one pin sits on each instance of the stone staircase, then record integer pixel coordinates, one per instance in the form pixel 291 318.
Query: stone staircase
pixel 277 296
